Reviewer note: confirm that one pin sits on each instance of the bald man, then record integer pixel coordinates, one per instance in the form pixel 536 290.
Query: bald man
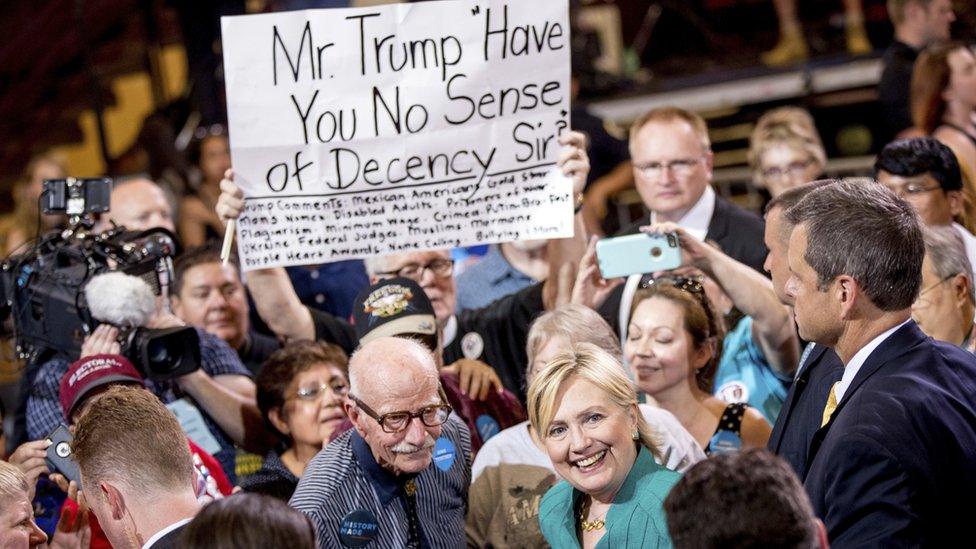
pixel 400 477
pixel 139 204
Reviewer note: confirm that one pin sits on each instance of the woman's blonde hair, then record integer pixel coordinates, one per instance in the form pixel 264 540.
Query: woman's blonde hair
pixel 590 363
pixel 789 126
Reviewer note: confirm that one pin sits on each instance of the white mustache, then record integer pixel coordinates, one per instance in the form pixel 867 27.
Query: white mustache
pixel 407 448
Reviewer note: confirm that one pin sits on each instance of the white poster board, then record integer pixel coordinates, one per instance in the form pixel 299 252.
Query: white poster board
pixel 367 131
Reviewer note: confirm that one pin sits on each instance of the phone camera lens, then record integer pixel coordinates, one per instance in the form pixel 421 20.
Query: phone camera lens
pixel 63 450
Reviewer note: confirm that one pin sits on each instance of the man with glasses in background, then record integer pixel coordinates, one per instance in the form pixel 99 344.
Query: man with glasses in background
pixel 400 477
pixel 672 158
pixel 925 173
pixel 945 305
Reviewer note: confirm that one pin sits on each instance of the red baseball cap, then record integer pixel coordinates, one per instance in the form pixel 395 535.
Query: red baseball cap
pixel 92 372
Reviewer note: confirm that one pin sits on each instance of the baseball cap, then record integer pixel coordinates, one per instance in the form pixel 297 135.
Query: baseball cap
pixel 394 307
pixel 91 372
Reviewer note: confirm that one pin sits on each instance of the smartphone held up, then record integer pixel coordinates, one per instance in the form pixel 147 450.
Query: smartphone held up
pixel 638 254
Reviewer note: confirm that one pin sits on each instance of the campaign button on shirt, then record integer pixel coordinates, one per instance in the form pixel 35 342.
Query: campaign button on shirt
pixel 358 528
pixel 444 454
pixel 472 345
pixel 725 441
pixel 487 427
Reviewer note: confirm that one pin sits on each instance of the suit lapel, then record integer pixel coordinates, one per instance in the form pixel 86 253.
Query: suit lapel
pixel 718 225
pixel 799 385
pixel 897 344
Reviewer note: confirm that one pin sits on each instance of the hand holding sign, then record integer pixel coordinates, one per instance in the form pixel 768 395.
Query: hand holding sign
pixel 573 160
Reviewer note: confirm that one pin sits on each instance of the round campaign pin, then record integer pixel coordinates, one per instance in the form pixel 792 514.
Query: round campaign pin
pixel 725 441
pixel 733 391
pixel 472 345
pixel 358 528
pixel 444 454
pixel 487 427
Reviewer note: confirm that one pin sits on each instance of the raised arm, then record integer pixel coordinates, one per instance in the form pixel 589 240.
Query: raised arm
pixel 274 296
pixel 565 254
pixel 751 292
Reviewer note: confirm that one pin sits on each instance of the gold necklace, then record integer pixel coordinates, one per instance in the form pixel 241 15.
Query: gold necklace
pixel 589 525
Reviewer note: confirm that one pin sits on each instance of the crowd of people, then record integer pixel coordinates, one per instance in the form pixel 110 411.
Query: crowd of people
pixel 806 377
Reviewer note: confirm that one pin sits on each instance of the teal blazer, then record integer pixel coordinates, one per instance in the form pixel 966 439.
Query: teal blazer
pixel 636 517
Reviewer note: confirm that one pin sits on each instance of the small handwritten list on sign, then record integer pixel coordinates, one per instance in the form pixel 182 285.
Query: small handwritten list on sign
pixel 368 131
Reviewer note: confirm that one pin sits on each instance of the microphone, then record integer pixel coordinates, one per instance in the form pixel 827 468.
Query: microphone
pixel 119 299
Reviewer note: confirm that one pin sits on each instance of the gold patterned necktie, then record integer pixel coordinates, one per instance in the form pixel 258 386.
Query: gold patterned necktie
pixel 831 404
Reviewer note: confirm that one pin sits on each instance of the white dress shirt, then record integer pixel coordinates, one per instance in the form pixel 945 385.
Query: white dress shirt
pixel 854 366
pixel 698 217
pixel 156 537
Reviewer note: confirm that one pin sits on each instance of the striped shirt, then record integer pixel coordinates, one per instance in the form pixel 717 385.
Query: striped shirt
pixel 344 477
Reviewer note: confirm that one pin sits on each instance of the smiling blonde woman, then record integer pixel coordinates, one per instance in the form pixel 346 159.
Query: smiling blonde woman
pixel 584 410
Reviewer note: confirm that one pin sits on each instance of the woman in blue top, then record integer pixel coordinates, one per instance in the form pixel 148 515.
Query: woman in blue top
pixel 584 410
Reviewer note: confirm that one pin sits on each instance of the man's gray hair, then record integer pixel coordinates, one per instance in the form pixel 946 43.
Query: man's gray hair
pixel 860 228
pixel 13 483
pixel 388 352
pixel 375 265
pixel 947 252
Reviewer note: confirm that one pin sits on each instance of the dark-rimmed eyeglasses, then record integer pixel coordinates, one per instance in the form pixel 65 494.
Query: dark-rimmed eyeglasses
pixel 395 422
pixel 415 271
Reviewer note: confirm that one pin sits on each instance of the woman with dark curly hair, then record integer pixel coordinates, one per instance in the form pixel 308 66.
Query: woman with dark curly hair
pixel 300 393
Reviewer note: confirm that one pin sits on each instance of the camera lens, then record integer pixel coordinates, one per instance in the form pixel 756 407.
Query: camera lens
pixel 159 358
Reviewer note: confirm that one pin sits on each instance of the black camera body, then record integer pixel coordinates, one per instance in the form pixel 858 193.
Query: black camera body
pixel 77 197
pixel 43 289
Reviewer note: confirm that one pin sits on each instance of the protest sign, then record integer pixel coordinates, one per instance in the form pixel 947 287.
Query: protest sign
pixel 367 131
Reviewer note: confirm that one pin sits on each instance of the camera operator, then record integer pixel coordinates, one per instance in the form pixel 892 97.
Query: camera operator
pixel 216 401
pixel 138 203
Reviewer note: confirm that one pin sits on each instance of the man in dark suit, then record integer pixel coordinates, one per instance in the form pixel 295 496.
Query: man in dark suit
pixel 672 159
pixel 820 368
pixel 136 469
pixel 897 450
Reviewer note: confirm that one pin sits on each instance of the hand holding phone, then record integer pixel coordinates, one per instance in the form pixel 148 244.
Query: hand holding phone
pixel 638 254
pixel 60 456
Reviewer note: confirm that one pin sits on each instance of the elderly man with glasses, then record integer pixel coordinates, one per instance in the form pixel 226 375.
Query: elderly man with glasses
pixel 945 305
pixel 400 477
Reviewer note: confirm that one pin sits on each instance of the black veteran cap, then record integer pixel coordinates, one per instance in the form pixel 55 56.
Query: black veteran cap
pixel 394 307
